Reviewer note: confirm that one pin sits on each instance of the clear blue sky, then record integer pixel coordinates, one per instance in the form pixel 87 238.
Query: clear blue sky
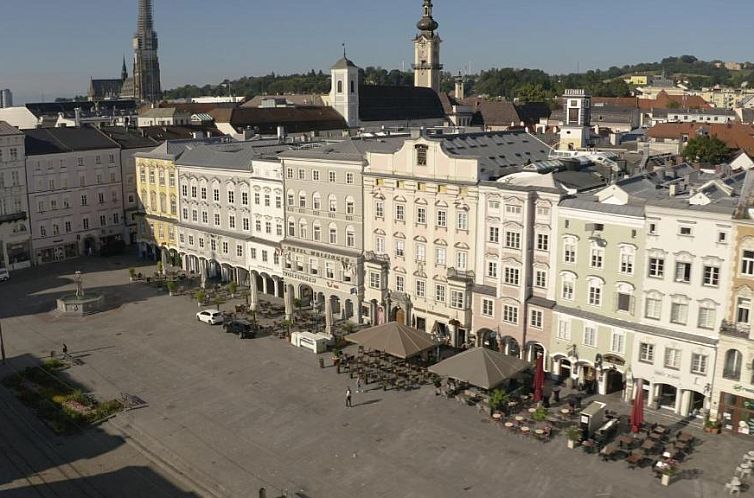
pixel 52 47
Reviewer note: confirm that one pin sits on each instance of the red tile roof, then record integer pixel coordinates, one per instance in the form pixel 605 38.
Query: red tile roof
pixel 735 135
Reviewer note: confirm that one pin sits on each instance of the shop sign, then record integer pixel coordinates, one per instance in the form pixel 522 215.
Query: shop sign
pixel 661 373
pixel 301 277
pixel 739 387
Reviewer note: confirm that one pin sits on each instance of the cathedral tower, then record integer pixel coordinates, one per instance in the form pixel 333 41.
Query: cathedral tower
pixel 427 65
pixel 146 71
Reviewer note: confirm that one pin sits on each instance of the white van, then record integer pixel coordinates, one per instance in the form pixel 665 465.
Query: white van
pixel 4 275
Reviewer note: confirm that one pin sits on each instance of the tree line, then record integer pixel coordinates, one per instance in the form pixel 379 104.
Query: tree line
pixel 526 85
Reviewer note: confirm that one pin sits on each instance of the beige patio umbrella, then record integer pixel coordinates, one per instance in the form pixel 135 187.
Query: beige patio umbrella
pixel 481 367
pixel 394 339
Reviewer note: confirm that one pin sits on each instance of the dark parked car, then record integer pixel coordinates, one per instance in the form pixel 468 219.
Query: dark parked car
pixel 242 328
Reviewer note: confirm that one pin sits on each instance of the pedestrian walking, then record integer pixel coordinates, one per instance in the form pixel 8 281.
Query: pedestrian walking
pixel 358 384
pixel 348 397
pixel 556 392
pixel 65 349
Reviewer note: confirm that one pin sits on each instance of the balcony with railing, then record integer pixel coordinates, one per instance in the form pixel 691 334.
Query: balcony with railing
pixel 739 330
pixel 460 275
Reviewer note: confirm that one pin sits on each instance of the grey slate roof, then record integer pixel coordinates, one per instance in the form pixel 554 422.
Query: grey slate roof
pixel 343 63
pixel 61 140
pixel 398 103
pixel 234 156
pixel 352 149
pixel 6 129
pixel 590 203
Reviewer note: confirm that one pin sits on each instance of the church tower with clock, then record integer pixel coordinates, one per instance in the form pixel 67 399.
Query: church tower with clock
pixel 427 65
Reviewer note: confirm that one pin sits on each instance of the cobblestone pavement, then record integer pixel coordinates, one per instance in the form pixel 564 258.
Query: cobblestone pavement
pixel 229 416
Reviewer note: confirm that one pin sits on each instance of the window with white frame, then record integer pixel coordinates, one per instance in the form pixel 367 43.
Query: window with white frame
pixel 569 250
pixel 488 307
pixel 627 260
pixel 564 330
pixel 462 258
pixel 653 307
pixel 462 220
pixel 743 311
pixel 400 248
pixel 747 262
pixel 400 212
pixel 331 176
pixel 711 276
pixel 512 239
pixel 492 269
pixel 568 288
pixel 672 358
pixel 536 318
pixel 656 268
pixel 707 313
pixel 511 275
pixel 493 204
pixel 596 257
pixel 618 342
pixel 379 244
pixel 590 336
pixel 510 313
pixel 440 293
pixel 494 235
pixel 646 352
pixel 375 280
pixel 379 209
pixel 456 299
pixel 400 283
pixel 543 242
pixel 540 278
pixel 350 237
pixel 595 292
pixel 421 252
pixel 442 218
pixel 332 203
pixel 698 364
pixel 440 256
pixel 624 298
pixel 682 272
pixel 421 215
pixel 512 209
pixel 239 250
pixel 333 235
pixel 679 311
pixel 349 178
pixel 421 288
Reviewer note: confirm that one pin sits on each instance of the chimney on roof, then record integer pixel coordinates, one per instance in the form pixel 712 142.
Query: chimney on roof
pixel 77 121
pixel 673 189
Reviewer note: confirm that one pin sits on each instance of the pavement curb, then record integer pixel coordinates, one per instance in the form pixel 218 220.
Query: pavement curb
pixel 161 456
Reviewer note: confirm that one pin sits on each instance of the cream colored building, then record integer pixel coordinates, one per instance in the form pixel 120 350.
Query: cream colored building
pixel 421 222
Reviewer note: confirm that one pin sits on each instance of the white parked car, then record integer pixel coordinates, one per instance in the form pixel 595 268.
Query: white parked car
pixel 210 316
pixel 4 275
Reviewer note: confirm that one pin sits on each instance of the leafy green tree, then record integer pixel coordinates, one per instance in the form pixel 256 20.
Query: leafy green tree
pixel 706 149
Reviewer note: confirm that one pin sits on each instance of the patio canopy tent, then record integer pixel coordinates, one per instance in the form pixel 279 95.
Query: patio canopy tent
pixel 394 339
pixel 481 367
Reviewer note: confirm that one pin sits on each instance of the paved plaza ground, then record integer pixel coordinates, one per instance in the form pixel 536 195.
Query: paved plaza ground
pixel 228 416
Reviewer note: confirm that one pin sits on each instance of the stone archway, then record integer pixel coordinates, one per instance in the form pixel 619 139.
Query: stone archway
pixel 398 315
pixel 488 338
pixel 510 346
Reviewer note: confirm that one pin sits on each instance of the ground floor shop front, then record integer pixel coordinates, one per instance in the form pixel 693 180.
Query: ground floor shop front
pixel 736 412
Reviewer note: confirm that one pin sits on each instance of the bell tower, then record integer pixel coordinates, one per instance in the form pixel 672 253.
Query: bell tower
pixel 427 65
pixel 344 91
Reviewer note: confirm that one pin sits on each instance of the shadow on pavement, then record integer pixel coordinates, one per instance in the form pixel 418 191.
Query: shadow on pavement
pixel 34 459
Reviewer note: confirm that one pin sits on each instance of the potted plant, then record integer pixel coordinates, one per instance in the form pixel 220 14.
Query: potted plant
pixel 217 301
pixel 573 434
pixel 668 470
pixel 232 288
pixel 335 356
pixel 287 324
pixel 498 400
pixel 200 296
pixel 540 414
pixel 132 274
pixel 172 287
pixel 712 426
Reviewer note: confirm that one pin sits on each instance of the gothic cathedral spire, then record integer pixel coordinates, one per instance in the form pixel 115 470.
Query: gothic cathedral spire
pixel 146 72
pixel 427 65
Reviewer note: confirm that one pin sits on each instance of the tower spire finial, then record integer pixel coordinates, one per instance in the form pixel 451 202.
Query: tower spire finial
pixel 344 50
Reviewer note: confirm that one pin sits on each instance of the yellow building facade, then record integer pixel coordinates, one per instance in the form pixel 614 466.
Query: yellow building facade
pixel 733 392
pixel 157 187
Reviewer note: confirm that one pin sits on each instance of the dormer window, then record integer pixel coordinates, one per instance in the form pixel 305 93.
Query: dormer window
pixel 421 155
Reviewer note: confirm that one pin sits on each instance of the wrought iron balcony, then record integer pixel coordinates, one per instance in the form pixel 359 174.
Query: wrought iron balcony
pixel 454 274
pixel 735 329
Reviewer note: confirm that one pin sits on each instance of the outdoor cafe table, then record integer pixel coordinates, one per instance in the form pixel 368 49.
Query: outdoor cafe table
pixel 497 415
pixel 660 429
pixel 509 424
pixel 685 437
pixel 625 440
pixel 519 418
pixel 525 429
pixel 649 444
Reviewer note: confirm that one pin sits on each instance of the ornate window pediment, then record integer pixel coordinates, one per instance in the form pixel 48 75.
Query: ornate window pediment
pixel 440 242
pixel 683 257
pixel 399 235
pixel 461 245
pixel 419 238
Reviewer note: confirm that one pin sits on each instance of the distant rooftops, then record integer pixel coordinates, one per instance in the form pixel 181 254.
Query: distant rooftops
pixel 61 140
